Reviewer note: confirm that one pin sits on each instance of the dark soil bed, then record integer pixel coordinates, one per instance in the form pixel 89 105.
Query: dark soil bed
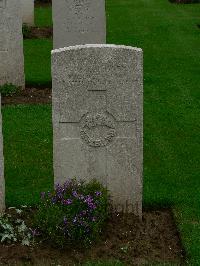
pixel 40 4
pixel 29 95
pixel 39 33
pixel 155 239
pixel 185 1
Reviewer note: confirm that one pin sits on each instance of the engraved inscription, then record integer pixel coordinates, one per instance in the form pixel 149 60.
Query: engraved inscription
pixel 84 20
pixel 81 6
pixel 3 41
pixel 98 130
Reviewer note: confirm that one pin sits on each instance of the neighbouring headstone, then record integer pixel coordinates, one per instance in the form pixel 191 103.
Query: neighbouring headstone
pixel 11 43
pixel 78 22
pixel 98 119
pixel 28 12
pixel 2 185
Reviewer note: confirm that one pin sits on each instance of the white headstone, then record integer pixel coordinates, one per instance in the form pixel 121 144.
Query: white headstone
pixel 28 12
pixel 2 185
pixel 78 22
pixel 98 119
pixel 11 43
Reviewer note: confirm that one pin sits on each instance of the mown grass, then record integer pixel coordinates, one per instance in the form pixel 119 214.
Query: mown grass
pixel 43 16
pixel 170 39
pixel 38 62
pixel 27 134
pixel 38 52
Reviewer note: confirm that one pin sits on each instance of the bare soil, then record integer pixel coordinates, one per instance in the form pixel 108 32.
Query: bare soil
pixel 29 95
pixel 185 1
pixel 134 242
pixel 40 4
pixel 39 33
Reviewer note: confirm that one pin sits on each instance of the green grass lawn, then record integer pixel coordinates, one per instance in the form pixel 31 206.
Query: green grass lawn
pixel 27 134
pixel 37 53
pixel 38 62
pixel 43 16
pixel 170 39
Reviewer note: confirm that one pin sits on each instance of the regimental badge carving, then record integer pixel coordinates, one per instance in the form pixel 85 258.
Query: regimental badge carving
pixel 98 129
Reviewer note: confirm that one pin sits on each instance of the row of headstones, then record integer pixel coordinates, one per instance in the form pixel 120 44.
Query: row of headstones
pixel 75 22
pixel 97 102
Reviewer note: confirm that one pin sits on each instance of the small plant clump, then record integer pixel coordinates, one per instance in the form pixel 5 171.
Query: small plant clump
pixel 73 214
pixel 13 228
pixel 9 89
pixel 26 31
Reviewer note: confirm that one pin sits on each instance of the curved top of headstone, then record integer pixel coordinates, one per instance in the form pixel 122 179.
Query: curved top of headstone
pixel 97 68
pixel 88 46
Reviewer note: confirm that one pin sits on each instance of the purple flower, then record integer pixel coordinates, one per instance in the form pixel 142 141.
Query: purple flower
pixel 75 194
pixel 88 199
pixel 67 202
pixel 65 220
pixel 67 184
pixel 91 205
pixel 98 193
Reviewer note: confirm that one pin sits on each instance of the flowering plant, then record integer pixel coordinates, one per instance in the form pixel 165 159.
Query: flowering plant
pixel 13 228
pixel 73 213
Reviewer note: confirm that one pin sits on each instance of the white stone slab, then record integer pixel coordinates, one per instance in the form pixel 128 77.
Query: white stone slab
pixel 2 184
pixel 11 43
pixel 28 12
pixel 98 119
pixel 78 22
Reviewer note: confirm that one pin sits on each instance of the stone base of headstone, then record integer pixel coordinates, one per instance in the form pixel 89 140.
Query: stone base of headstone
pixel 98 119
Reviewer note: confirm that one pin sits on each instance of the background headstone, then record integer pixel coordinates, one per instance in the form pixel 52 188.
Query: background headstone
pixel 28 12
pixel 98 119
pixel 11 43
pixel 2 185
pixel 78 22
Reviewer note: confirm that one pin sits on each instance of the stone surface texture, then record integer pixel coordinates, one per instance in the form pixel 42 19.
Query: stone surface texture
pixel 2 185
pixel 11 43
pixel 78 22
pixel 28 12
pixel 98 119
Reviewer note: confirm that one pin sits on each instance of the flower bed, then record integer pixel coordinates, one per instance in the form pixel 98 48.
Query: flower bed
pixel 73 214
pixel 124 238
